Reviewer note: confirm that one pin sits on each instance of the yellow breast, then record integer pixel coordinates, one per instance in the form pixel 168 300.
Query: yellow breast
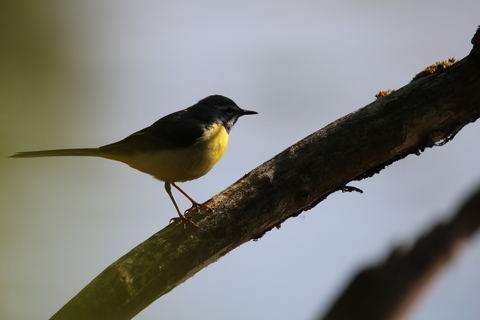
pixel 184 164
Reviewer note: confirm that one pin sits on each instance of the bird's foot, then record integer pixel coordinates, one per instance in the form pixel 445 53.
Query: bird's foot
pixel 191 213
pixel 195 209
pixel 186 221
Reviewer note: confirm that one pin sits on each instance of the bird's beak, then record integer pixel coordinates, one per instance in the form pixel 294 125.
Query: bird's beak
pixel 245 112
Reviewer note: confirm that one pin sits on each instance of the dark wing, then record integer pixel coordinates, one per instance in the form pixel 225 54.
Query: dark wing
pixel 177 130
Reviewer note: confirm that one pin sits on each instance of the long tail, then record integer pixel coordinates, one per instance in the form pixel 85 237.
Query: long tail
pixel 92 152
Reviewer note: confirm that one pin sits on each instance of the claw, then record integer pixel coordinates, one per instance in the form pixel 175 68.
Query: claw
pixel 197 207
pixel 185 222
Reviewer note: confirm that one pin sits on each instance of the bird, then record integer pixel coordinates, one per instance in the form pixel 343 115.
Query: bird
pixel 181 146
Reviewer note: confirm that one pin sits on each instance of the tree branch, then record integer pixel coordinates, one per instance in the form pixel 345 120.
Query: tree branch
pixel 424 113
pixel 388 291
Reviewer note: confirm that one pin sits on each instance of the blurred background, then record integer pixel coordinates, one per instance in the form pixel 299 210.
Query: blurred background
pixel 87 73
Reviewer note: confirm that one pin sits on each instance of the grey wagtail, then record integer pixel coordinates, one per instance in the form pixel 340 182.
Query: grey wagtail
pixel 179 147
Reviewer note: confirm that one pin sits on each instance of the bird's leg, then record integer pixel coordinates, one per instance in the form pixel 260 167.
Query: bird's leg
pixel 168 188
pixel 195 205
